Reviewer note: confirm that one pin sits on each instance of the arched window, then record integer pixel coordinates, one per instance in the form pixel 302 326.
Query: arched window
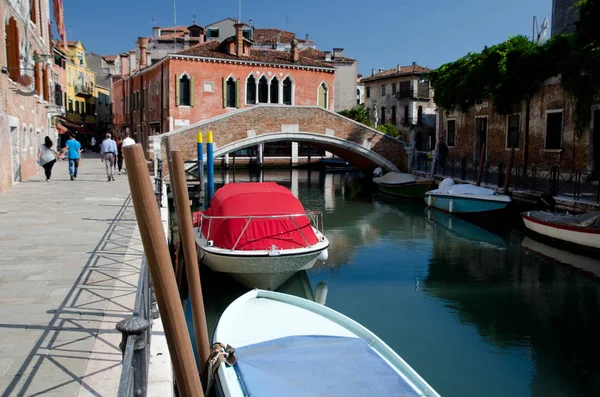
pixel 420 115
pixel 287 91
pixel 231 93
pixel 274 90
pixel 12 49
pixel 393 120
pixel 382 115
pixel 406 121
pixel 251 90
pixel 184 91
pixel 394 89
pixel 322 97
pixel 382 89
pixel 263 90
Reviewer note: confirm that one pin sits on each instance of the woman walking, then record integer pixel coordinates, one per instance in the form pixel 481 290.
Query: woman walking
pixel 119 154
pixel 47 157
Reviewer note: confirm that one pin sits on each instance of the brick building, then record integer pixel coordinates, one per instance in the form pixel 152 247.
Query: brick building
pixel 214 78
pixel 552 134
pixel 26 87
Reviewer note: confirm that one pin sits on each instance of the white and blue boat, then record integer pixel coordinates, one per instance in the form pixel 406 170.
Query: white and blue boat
pixel 289 346
pixel 465 198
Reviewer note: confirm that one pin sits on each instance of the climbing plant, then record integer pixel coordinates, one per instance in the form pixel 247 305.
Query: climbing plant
pixel 358 113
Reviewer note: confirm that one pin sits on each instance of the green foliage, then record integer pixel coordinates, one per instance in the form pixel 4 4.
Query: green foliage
pixel 389 129
pixel 512 71
pixel 358 113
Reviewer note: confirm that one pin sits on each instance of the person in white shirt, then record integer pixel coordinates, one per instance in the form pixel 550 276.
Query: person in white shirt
pixel 128 141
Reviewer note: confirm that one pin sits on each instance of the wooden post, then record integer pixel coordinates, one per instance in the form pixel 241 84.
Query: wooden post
pixel 186 230
pixel 161 272
pixel 480 167
pixel 509 171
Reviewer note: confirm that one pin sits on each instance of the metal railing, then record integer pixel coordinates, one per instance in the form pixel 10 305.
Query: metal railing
pixel 158 182
pixel 315 220
pixel 577 185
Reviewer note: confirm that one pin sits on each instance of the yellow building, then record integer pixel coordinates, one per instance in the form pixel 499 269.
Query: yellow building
pixel 80 96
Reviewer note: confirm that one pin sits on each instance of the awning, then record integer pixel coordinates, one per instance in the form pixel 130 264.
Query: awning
pixel 61 128
pixel 67 125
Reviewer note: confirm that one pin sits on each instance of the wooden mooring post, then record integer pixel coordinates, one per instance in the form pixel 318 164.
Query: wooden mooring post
pixel 511 161
pixel 161 272
pixel 480 166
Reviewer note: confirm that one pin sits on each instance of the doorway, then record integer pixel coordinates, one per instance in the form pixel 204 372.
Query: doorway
pixel 16 153
pixel 596 140
pixel 481 137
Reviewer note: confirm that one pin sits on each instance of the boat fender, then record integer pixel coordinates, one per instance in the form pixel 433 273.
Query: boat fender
pixel 429 200
pixel 451 206
pixel 321 293
pixel 324 255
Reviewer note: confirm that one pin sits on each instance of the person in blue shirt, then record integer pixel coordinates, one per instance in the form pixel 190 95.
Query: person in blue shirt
pixel 73 150
pixel 108 150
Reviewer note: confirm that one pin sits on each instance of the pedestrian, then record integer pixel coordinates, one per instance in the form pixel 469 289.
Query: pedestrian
pixel 108 150
pixel 93 144
pixel 47 157
pixel 442 155
pixel 128 141
pixel 119 154
pixel 73 150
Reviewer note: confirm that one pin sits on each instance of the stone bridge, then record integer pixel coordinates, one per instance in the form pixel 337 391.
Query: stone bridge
pixel 362 146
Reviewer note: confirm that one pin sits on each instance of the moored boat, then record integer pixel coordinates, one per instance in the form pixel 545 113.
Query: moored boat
pixel 581 229
pixel 402 185
pixel 289 346
pixel 465 198
pixel 260 234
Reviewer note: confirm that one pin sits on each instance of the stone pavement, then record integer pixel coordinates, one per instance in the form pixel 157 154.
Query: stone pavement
pixel 69 261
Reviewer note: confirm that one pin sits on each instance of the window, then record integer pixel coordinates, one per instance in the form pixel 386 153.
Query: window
pixel 70 105
pixel 274 90
pixel 420 115
pixel 230 93
pixel 213 33
pixel 246 34
pixel 451 133
pixel 251 90
pixel 393 113
pixel 368 95
pixel 12 49
pixel 263 90
pixel 184 91
pixel 32 12
pixel 512 131
pixel 382 115
pixel 554 126
pixel 287 91
pixel 322 96
pixel 76 106
pixel 394 89
pixel 382 89
pixel 405 89
pixel 406 121
pixel 80 56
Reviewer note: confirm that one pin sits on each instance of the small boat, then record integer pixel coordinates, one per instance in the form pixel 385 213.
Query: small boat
pixel 581 229
pixel 260 234
pixel 289 346
pixel 402 185
pixel 337 165
pixel 465 198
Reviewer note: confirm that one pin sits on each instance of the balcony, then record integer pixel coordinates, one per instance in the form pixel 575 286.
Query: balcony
pixel 423 90
pixel 404 93
pixel 85 91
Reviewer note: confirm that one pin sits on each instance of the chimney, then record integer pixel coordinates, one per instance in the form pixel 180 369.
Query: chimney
pixel 372 72
pixel 143 45
pixel 414 66
pixel 156 32
pixel 338 53
pixel 380 70
pixel 327 56
pixel 132 61
pixel 307 37
pixel 239 39
pixel 186 40
pixel 397 68
pixel 124 64
pixel 250 22
pixel 294 51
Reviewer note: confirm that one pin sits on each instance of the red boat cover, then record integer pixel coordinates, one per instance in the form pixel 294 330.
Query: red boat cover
pixel 257 199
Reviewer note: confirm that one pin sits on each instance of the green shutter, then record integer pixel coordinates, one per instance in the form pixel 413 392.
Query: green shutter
pixel 224 92
pixel 176 90
pixel 192 89
pixel 237 93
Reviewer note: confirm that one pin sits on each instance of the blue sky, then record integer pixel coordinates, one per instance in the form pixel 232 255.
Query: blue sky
pixel 380 34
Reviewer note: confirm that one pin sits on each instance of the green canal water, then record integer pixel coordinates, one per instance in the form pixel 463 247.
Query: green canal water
pixel 476 313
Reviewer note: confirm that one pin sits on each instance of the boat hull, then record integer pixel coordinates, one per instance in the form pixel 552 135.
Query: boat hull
pixel 260 269
pixel 565 233
pixel 464 205
pixel 412 190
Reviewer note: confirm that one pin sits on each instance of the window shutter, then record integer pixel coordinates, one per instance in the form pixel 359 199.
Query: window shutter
pixel 224 92
pixel 176 90
pixel 192 89
pixel 237 93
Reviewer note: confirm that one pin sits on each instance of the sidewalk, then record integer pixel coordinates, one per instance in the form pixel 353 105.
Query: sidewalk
pixel 69 264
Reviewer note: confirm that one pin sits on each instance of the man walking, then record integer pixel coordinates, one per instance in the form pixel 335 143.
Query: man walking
pixel 108 150
pixel 73 150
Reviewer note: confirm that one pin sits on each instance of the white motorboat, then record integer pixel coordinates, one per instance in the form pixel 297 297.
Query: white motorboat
pixel 581 229
pixel 465 198
pixel 289 346
pixel 260 234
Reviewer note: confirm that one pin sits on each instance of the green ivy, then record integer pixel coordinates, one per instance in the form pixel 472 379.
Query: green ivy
pixel 358 113
pixel 389 129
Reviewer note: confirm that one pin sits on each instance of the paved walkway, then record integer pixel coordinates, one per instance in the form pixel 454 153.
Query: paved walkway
pixel 69 264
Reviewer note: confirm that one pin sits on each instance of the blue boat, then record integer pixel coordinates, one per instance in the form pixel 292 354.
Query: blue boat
pixel 465 198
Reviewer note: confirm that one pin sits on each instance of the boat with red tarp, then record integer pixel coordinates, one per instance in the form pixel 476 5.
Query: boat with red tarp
pixel 260 234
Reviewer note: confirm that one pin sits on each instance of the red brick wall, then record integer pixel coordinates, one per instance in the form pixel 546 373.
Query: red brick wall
pixel 268 119
pixel 575 152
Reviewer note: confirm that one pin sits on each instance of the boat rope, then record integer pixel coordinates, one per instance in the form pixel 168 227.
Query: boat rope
pixel 219 353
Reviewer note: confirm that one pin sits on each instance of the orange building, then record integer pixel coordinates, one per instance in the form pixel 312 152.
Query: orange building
pixel 214 78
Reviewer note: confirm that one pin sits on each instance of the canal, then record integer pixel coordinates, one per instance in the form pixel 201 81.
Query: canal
pixel 475 312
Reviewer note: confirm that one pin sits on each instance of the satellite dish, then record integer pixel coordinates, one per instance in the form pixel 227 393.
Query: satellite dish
pixel 542 31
